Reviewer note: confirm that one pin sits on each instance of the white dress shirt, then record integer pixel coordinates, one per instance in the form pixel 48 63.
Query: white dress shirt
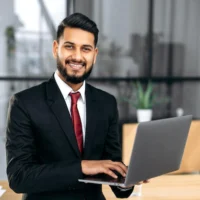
pixel 81 104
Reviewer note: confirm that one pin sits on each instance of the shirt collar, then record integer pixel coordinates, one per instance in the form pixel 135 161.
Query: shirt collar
pixel 66 89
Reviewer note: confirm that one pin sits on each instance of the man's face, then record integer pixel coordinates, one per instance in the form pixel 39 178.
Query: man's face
pixel 75 53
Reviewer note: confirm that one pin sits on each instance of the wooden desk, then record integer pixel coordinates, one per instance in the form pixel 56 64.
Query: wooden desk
pixel 167 187
pixel 9 194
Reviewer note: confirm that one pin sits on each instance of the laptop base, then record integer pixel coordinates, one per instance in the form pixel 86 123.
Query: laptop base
pixel 104 179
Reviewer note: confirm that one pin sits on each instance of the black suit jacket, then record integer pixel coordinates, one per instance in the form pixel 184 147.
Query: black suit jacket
pixel 43 160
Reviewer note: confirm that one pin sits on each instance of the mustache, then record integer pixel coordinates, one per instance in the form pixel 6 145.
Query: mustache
pixel 68 61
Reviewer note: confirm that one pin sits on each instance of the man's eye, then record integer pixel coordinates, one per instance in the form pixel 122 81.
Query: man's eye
pixel 86 49
pixel 69 47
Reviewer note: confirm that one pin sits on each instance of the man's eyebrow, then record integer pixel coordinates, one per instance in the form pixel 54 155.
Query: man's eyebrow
pixel 85 45
pixel 67 42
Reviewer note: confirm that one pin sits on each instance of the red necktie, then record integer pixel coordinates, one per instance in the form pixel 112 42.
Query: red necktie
pixel 76 120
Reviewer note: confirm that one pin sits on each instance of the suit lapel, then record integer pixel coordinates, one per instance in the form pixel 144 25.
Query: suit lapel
pixel 91 119
pixel 61 112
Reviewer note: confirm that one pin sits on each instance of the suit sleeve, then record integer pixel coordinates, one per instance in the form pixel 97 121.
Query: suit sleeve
pixel 112 149
pixel 25 173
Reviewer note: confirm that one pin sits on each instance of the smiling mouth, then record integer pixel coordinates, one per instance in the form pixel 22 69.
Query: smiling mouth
pixel 75 66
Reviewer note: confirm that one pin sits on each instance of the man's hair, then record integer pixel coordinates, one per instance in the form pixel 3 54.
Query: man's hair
pixel 78 20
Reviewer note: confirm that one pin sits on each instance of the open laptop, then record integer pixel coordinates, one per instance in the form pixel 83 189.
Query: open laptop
pixel 158 149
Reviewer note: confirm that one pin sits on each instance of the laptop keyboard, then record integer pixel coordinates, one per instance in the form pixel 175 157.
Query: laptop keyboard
pixel 107 178
pixel 120 179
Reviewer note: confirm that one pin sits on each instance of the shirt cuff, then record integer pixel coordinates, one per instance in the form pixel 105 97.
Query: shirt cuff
pixel 125 189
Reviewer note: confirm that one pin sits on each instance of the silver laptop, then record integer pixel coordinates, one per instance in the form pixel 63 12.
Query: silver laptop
pixel 158 149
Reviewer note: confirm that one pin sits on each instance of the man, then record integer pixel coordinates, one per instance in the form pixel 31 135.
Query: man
pixel 63 129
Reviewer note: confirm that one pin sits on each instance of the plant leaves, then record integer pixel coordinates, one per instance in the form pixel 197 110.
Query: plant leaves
pixel 148 96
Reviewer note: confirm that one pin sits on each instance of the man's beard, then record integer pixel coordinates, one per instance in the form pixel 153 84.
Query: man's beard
pixel 72 78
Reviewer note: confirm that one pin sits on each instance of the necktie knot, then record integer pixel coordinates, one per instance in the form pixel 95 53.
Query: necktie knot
pixel 75 97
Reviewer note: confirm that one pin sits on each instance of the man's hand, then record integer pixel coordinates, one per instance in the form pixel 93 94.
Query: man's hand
pixel 145 181
pixel 93 167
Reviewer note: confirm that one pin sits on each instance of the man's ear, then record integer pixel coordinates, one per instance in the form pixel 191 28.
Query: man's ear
pixel 55 48
pixel 95 56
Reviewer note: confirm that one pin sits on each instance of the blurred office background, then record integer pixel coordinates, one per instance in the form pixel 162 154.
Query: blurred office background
pixel 143 40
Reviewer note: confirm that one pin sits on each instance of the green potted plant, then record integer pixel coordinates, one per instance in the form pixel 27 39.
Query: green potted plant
pixel 143 99
pixel 144 102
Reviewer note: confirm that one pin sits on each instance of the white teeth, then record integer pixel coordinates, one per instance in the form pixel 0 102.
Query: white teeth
pixel 75 66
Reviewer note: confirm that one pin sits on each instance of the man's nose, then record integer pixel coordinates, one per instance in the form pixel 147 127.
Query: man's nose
pixel 77 55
